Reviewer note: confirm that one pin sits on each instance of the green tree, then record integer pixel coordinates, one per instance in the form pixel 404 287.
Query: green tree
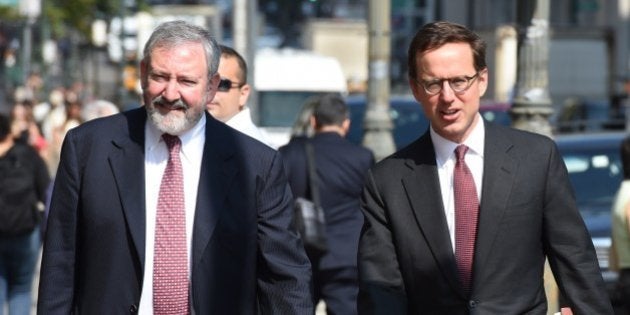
pixel 8 14
pixel 76 14
pixel 79 14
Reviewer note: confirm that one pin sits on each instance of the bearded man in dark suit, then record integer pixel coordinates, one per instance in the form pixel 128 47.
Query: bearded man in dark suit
pixel 240 253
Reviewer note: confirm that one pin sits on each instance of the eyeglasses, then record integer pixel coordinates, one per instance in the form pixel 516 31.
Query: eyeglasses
pixel 225 85
pixel 458 84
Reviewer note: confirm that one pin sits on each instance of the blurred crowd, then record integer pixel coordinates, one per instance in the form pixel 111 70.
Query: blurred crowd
pixel 42 118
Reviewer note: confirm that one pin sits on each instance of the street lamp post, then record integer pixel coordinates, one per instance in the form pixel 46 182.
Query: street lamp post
pixel 30 9
pixel 243 30
pixel 532 105
pixel 378 124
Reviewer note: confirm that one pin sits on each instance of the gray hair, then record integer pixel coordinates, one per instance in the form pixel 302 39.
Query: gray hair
pixel 98 108
pixel 174 33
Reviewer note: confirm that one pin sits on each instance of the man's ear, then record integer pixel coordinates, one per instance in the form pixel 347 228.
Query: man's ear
pixel 243 95
pixel 213 85
pixel 415 89
pixel 144 74
pixel 345 126
pixel 483 81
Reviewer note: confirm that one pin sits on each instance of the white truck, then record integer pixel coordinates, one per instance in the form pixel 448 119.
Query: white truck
pixel 284 79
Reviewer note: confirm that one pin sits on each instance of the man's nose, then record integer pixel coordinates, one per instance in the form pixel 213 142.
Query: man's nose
pixel 447 94
pixel 171 91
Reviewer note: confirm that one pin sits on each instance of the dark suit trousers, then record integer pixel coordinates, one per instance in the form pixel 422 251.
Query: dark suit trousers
pixel 338 287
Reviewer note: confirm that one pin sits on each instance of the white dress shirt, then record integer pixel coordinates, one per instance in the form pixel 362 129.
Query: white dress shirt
pixel 243 123
pixel 156 157
pixel 445 159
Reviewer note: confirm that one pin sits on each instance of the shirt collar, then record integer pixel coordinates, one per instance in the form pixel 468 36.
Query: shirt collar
pixel 444 148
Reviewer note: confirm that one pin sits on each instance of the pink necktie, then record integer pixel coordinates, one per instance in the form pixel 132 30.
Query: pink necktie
pixel 466 210
pixel 170 265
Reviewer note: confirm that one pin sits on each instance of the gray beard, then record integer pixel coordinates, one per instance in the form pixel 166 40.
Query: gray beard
pixel 169 122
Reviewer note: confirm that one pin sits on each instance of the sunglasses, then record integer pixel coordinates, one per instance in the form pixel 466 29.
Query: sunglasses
pixel 225 85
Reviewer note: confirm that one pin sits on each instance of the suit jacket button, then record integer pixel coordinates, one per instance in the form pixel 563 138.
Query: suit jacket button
pixel 472 303
pixel 133 309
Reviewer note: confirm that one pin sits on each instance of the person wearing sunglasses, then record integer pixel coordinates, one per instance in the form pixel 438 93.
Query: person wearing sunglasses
pixel 229 104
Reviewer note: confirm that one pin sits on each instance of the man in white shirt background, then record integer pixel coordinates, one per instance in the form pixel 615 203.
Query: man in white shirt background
pixel 229 103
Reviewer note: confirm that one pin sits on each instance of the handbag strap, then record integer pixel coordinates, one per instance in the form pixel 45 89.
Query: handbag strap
pixel 312 173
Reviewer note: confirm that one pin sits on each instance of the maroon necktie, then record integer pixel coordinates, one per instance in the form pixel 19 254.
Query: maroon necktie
pixel 466 210
pixel 170 265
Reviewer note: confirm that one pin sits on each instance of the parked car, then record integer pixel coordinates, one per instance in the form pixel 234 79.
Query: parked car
pixel 589 116
pixel 594 165
pixel 406 115
pixel 408 118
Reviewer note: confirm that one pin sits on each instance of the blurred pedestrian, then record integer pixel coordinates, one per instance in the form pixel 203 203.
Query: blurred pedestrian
pixel 229 104
pixel 25 129
pixel 97 109
pixel 52 113
pixel 621 231
pixel 340 167
pixel 302 126
pixel 92 110
pixel 462 220
pixel 71 118
pixel 163 209
pixel 22 195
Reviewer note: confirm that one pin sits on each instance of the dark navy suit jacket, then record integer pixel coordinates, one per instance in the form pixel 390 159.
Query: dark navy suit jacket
pixel 341 169
pixel 246 257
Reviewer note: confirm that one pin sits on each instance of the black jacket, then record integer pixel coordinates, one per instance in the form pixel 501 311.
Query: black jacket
pixel 23 187
pixel 341 168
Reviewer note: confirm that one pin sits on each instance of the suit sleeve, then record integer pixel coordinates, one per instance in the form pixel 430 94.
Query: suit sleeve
pixel 381 288
pixel 569 247
pixel 57 273
pixel 284 271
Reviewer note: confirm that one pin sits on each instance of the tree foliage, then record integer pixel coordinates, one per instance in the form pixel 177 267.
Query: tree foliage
pixel 61 16
pixel 8 14
pixel 77 14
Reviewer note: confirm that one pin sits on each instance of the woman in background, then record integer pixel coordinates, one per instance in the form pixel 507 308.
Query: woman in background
pixel 22 194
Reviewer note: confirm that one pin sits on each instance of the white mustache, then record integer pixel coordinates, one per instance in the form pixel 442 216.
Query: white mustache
pixel 178 104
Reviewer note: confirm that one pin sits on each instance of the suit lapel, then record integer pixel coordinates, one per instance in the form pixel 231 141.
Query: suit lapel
pixel 422 186
pixel 126 160
pixel 218 169
pixel 498 178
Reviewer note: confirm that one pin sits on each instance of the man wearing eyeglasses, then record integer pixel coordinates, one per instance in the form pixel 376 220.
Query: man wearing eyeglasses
pixel 229 104
pixel 462 220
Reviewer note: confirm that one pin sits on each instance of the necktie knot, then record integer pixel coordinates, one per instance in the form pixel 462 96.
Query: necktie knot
pixel 173 143
pixel 460 152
